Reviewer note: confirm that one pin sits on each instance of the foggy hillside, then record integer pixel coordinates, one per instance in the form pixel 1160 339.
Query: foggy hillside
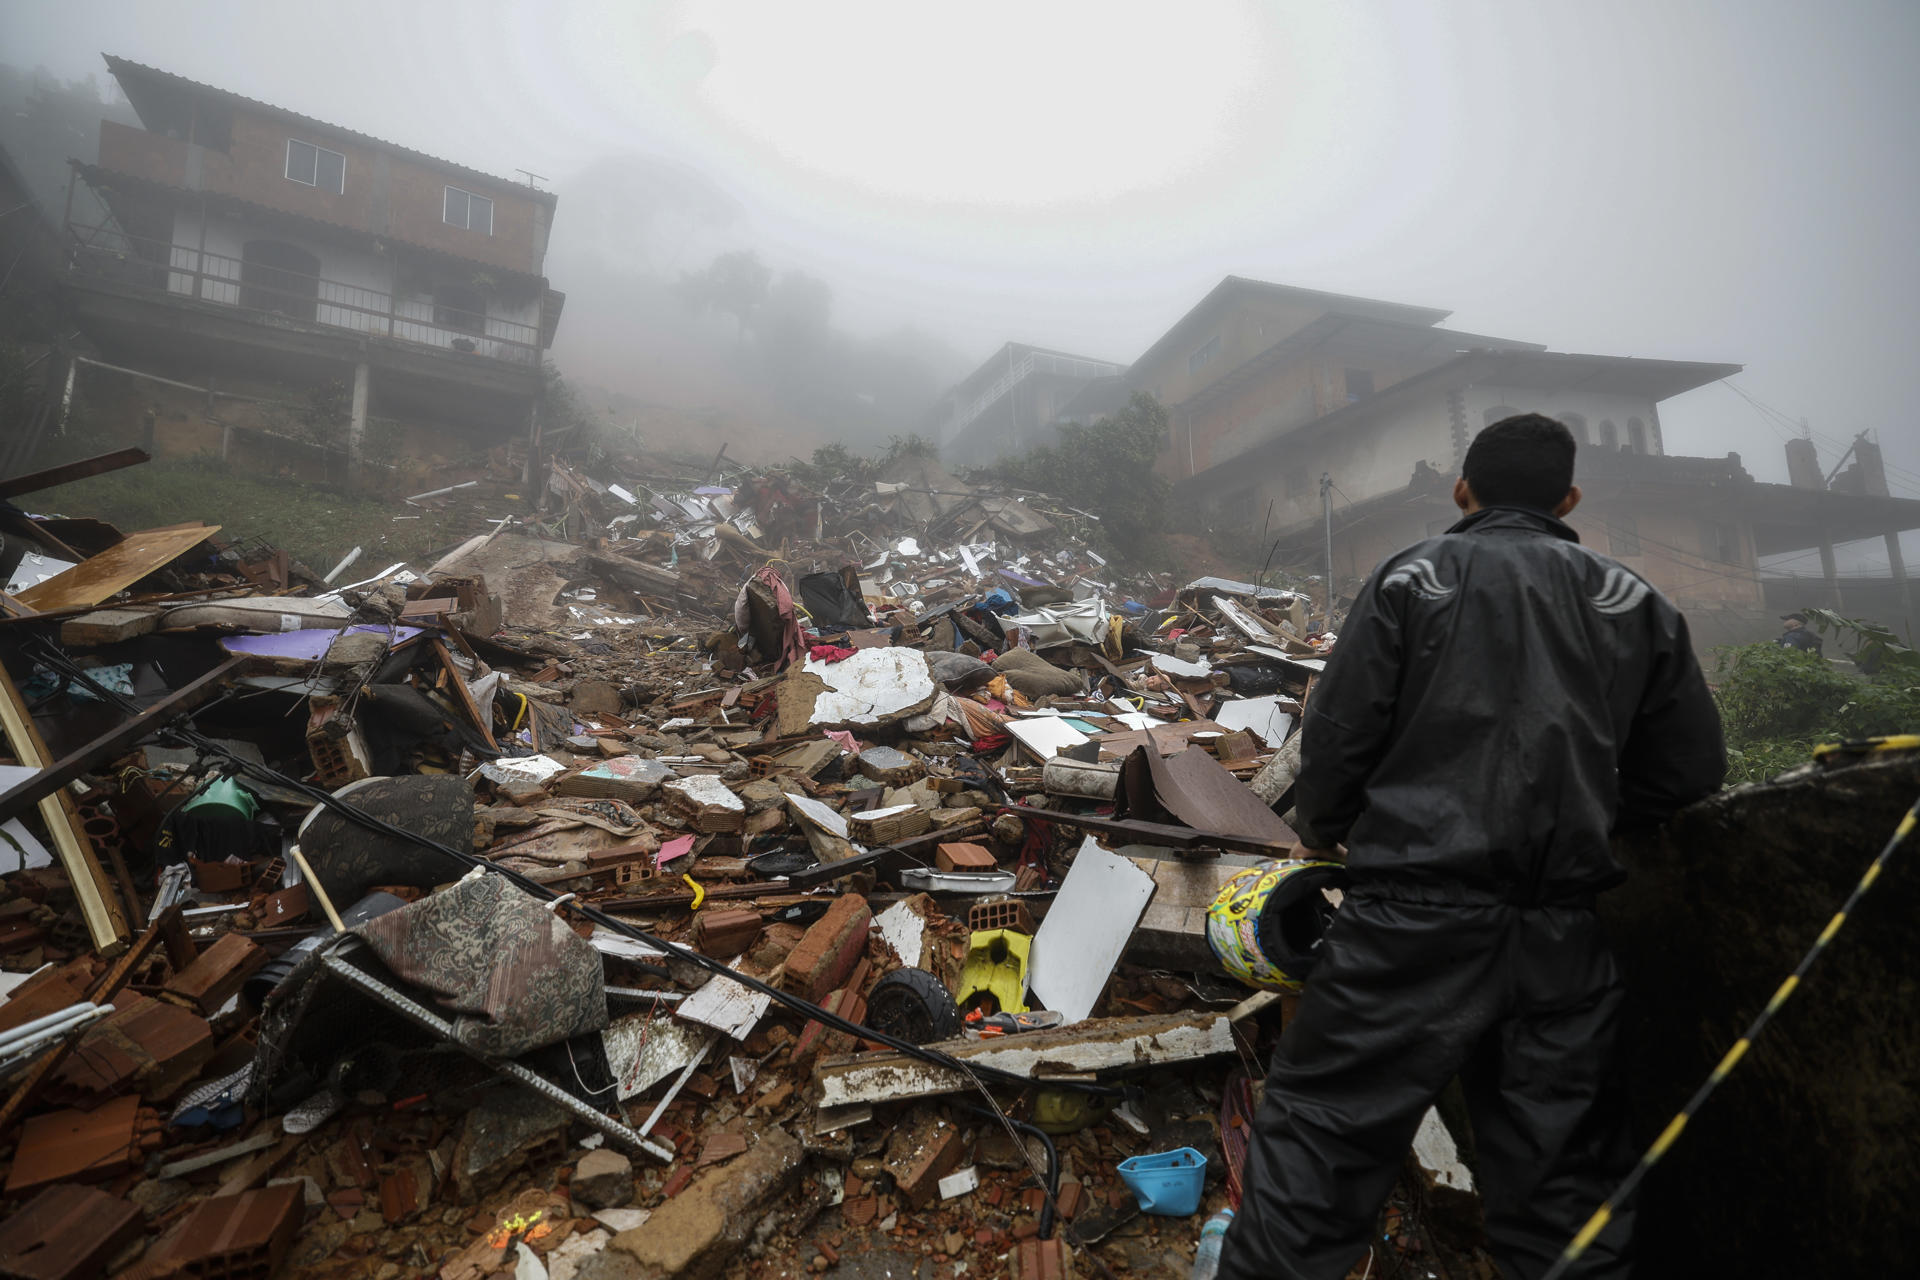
pixel 643 248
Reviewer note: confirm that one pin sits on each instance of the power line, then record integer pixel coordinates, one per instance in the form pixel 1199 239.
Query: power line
pixel 1791 429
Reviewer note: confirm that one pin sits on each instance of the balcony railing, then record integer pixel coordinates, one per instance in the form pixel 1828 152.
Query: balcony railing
pixel 287 295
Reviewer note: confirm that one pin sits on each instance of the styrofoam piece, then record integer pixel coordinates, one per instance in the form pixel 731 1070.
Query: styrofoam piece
pixel 1045 736
pixel 1281 655
pixel 871 687
pixel 1262 715
pixel 960 1182
pixel 1167 664
pixel 904 930
pixel 1092 917
pixel 827 819
pixel 525 768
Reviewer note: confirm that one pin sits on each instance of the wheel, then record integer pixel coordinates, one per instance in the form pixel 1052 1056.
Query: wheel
pixel 912 1004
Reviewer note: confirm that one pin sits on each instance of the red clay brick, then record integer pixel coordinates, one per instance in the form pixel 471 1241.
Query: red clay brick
pixel 826 955
pixel 1042 1260
pixel 961 856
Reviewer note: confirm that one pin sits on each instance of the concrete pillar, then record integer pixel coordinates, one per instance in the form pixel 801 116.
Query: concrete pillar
pixel 1897 563
pixel 1829 571
pixel 531 476
pixel 357 425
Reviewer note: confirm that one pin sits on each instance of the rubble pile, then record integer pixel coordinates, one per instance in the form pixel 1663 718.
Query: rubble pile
pixel 683 880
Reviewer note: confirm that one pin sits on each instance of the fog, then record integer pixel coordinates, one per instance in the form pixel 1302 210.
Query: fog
pixel 1715 181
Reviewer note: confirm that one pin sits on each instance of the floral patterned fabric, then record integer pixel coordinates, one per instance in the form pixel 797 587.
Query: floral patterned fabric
pixel 512 974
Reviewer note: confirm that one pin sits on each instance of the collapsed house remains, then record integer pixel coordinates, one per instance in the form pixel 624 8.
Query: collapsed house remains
pixel 706 875
pixel 837 858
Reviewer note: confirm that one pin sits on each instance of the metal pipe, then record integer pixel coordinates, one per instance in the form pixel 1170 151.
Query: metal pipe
pixel 52 1024
pixel 343 566
pixel 1326 509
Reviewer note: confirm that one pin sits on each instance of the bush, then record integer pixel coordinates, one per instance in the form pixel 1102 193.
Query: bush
pixel 1777 703
pixel 1107 469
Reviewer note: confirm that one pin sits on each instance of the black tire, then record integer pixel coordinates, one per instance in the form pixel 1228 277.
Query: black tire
pixel 912 1004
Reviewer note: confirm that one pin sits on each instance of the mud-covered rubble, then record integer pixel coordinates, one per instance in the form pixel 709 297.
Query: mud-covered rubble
pixel 583 900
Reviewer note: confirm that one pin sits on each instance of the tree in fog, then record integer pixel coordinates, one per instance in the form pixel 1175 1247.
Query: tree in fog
pixel 735 283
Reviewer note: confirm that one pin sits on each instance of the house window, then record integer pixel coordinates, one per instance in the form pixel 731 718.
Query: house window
pixel 1720 542
pixel 1609 434
pixel 1239 509
pixel 1201 358
pixel 1623 535
pixel 1637 435
pixel 456 306
pixel 1297 483
pixel 1576 424
pixel 1359 384
pixel 468 211
pixel 316 166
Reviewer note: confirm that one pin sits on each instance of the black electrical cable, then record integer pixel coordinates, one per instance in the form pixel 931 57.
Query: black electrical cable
pixel 183 731
pixel 1052 1184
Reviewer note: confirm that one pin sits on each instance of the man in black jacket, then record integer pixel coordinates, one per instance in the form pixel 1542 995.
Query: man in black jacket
pixel 1500 700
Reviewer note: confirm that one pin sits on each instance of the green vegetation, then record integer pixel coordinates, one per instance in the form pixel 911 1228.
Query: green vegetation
pixel 1107 469
pixel 1777 703
pixel 314 525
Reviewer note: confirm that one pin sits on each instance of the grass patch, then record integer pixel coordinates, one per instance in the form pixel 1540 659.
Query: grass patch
pixel 315 525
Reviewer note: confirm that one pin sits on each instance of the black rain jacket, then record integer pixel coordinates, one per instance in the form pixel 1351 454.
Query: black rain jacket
pixel 1500 699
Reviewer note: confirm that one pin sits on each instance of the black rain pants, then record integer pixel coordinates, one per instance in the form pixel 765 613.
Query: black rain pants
pixel 1523 1004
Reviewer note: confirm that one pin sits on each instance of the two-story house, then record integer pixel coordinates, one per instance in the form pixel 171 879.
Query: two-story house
pixel 1270 388
pixel 251 251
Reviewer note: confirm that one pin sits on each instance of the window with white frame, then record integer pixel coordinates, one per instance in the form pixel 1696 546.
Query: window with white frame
pixel 316 166
pixel 469 211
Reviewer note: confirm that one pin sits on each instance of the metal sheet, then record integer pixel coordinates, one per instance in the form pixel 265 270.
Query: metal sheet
pixel 1192 789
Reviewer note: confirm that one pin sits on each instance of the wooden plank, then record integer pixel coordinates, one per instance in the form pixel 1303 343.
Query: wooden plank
pixel 68 472
pixel 116 568
pixel 105 923
pixel 107 626
pixel 462 693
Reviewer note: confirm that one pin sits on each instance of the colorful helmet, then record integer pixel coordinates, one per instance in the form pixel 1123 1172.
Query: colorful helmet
pixel 1266 921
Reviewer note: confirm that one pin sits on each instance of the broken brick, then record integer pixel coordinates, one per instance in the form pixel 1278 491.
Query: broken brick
pixel 921 1154
pixel 1041 1260
pixel 217 974
pixel 961 856
pixel 828 951
pixel 725 932
pixel 67 1231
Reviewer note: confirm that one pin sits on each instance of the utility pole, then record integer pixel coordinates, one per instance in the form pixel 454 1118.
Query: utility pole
pixel 1326 511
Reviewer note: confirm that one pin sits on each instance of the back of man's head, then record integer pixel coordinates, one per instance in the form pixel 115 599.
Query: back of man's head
pixel 1522 461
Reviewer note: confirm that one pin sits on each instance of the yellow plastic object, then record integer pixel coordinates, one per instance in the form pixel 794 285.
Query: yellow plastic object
pixel 699 894
pixel 1059 1111
pixel 995 971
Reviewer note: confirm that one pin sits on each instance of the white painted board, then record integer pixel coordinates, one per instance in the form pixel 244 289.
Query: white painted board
pixel 1087 927
pixel 1262 715
pixel 1045 736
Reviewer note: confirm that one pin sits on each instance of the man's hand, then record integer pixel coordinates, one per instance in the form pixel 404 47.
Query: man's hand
pixel 1306 853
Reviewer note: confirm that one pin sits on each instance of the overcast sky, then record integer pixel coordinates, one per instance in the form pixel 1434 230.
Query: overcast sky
pixel 1728 181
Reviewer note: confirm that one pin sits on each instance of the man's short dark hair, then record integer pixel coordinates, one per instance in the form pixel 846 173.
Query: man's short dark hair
pixel 1522 461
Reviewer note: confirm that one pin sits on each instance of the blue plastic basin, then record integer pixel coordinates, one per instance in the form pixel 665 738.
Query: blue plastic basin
pixel 1167 1182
